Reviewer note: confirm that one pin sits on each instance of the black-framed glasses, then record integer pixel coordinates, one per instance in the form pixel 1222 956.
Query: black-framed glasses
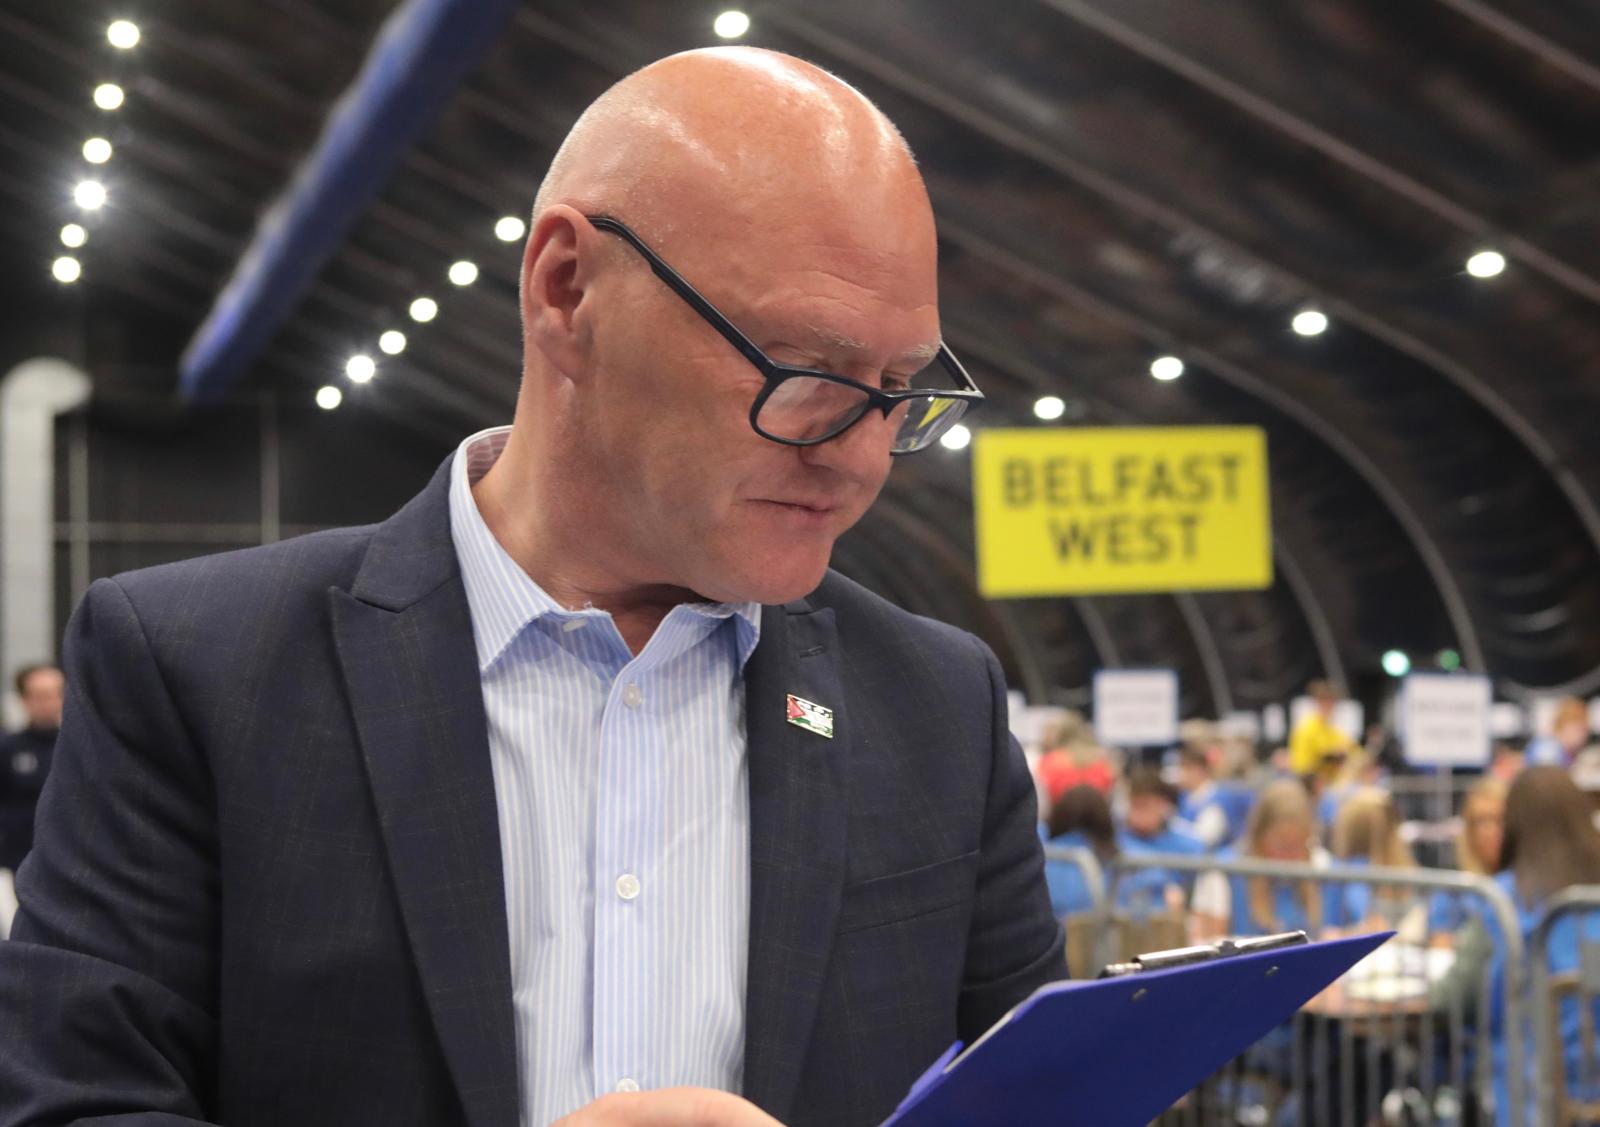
pixel 807 406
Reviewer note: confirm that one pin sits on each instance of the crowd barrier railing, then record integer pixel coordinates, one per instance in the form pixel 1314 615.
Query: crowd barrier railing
pixel 1385 1044
pixel 1429 798
pixel 1566 997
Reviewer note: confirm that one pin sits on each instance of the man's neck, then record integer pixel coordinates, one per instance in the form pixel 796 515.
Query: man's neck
pixel 577 580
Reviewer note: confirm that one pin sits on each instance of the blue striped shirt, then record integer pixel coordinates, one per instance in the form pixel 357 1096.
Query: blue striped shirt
pixel 624 812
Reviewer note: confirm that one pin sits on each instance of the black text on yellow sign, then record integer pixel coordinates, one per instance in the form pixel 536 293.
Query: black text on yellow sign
pixel 1096 511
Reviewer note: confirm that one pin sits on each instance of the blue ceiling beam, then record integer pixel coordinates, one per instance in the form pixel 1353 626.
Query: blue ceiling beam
pixel 417 60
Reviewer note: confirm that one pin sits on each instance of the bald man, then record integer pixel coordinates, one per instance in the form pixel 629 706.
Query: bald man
pixel 580 790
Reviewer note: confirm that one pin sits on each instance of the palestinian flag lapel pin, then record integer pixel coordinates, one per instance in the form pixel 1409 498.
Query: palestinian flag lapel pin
pixel 811 717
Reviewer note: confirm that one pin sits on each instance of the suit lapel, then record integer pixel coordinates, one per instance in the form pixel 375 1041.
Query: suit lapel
pixel 404 638
pixel 797 844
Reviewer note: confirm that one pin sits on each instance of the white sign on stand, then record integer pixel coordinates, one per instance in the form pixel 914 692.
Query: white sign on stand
pixel 1448 719
pixel 1136 707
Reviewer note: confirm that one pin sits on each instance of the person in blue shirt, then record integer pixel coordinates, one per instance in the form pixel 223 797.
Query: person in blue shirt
pixel 1551 843
pixel 1201 802
pixel 1568 736
pixel 1080 819
pixel 1148 828
pixel 1367 832
pixel 1477 851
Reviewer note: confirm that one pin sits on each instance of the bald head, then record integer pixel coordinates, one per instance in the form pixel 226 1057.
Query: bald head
pixel 792 205
pixel 735 137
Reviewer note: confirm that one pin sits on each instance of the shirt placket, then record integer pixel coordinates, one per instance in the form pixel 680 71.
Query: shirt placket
pixel 630 882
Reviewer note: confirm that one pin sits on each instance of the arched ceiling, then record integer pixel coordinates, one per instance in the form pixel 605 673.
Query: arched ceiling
pixel 1113 179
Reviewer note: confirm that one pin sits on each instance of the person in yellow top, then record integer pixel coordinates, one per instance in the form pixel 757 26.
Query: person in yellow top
pixel 1316 746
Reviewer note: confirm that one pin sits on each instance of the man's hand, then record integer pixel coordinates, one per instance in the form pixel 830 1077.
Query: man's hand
pixel 670 1107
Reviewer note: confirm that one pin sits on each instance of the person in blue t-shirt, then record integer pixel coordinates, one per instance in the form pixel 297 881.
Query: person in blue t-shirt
pixel 1201 803
pixel 1080 819
pixel 1148 828
pixel 1567 738
pixel 1367 832
pixel 1551 843
pixel 1477 851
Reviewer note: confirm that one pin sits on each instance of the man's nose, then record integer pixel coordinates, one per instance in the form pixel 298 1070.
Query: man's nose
pixel 860 453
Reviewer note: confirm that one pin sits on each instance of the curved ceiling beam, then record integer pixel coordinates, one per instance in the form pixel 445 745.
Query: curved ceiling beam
pixel 416 62
pixel 1421 539
pixel 1205 644
pixel 1552 54
pixel 1314 137
pixel 1136 202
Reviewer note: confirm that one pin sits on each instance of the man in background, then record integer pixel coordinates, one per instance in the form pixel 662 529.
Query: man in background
pixel 25 759
pixel 1316 746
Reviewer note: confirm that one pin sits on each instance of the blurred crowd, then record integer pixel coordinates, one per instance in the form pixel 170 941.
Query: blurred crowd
pixel 24 763
pixel 1530 822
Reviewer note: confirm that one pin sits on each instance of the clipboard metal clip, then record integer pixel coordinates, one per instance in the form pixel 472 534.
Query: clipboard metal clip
pixel 1204 953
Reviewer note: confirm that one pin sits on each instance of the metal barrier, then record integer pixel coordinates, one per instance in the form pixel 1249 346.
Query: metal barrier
pixel 1567 1076
pixel 1429 798
pixel 1370 1050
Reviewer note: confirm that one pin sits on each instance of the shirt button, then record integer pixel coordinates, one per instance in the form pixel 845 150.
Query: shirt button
pixel 633 696
pixel 572 624
pixel 627 886
pixel 627 1084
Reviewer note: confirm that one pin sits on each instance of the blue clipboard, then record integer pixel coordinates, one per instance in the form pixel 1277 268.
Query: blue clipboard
pixel 1117 1052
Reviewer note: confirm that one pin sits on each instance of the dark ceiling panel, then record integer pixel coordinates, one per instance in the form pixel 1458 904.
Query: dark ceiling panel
pixel 1113 180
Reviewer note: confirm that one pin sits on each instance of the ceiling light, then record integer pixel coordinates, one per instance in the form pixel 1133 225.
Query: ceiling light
pixel 731 24
pixel 66 269
pixel 1049 407
pixel 123 34
pixel 393 342
pixel 424 309
pixel 108 95
pixel 360 368
pixel 1395 663
pixel 329 397
pixel 1309 323
pixel 956 438
pixel 97 150
pixel 89 195
pixel 1166 367
pixel 463 273
pixel 509 229
pixel 73 235
pixel 1486 264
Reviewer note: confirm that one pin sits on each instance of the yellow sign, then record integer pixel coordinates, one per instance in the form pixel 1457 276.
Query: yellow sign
pixel 1078 512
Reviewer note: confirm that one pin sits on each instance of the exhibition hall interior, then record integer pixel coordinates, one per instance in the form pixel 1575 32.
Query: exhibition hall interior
pixel 1065 527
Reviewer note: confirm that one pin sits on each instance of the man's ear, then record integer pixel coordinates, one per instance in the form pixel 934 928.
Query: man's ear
pixel 555 278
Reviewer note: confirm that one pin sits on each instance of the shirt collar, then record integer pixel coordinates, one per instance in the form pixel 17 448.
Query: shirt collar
pixel 501 597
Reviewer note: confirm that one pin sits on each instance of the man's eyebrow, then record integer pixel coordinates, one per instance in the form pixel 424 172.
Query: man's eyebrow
pixel 835 339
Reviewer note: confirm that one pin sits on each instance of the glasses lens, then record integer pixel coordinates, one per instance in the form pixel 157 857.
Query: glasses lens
pixel 919 422
pixel 806 409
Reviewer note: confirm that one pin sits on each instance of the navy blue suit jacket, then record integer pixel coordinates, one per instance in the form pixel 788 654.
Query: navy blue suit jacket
pixel 266 884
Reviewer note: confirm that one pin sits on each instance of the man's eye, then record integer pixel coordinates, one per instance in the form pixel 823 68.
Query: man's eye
pixel 892 382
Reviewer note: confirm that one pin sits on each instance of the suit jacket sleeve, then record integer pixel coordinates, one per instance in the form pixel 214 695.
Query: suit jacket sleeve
pixel 107 988
pixel 1016 944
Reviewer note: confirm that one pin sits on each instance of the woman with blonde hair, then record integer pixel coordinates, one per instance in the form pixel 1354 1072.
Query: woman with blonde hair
pixel 1452 916
pixel 1366 831
pixel 1281 827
